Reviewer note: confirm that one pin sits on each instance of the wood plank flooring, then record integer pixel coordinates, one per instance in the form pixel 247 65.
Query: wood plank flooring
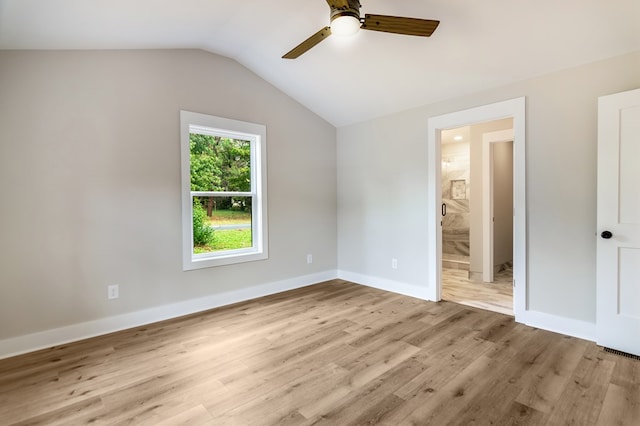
pixel 335 353
pixel 496 296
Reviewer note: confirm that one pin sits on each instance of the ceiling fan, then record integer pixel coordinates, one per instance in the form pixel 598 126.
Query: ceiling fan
pixel 346 20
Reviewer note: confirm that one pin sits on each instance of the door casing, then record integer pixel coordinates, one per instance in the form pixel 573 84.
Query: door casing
pixel 514 108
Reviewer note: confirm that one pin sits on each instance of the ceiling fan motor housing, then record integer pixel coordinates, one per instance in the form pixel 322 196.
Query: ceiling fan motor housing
pixel 353 9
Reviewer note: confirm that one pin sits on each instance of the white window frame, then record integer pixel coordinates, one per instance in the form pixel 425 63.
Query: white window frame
pixel 192 122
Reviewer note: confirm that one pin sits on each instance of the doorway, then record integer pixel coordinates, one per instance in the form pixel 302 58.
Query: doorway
pixel 514 109
pixel 477 215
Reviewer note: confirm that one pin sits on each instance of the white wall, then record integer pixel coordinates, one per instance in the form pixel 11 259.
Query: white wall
pixel 90 182
pixel 382 186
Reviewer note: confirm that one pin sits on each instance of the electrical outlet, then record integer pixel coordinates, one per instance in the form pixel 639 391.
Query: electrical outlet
pixel 113 291
pixel 309 259
pixel 394 263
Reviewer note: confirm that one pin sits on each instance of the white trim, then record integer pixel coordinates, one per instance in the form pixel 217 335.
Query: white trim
pixel 488 139
pixel 434 222
pixel 58 336
pixel 384 284
pixel 570 327
pixel 72 333
pixel 512 108
pixel 221 194
pixel 567 326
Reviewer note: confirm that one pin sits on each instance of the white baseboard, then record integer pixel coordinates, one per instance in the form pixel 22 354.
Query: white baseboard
pixel 385 284
pixel 567 326
pixel 58 336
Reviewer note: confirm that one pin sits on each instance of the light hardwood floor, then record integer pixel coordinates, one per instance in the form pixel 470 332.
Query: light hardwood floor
pixel 335 353
pixel 496 296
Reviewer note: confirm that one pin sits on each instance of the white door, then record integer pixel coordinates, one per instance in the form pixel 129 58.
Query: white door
pixel 618 247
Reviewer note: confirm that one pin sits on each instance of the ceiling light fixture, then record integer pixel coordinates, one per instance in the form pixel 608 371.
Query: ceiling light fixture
pixel 344 24
pixel 457 138
pixel 345 20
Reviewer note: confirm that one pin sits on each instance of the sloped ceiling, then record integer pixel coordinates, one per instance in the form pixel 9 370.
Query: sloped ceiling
pixel 479 44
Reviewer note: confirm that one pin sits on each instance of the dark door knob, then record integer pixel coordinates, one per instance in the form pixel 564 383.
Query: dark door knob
pixel 606 235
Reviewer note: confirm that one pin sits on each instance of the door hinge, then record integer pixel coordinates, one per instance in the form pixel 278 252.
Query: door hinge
pixel 514 283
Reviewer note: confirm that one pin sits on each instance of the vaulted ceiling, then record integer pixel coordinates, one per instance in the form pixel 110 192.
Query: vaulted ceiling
pixel 478 45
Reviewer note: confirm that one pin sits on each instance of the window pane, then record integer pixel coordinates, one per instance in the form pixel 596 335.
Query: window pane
pixel 219 163
pixel 221 223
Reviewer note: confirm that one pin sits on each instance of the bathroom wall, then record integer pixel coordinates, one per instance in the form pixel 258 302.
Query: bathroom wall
pixel 456 163
pixel 502 205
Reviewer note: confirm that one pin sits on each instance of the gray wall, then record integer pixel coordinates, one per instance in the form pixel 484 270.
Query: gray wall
pixel 477 131
pixel 90 182
pixel 502 202
pixel 382 185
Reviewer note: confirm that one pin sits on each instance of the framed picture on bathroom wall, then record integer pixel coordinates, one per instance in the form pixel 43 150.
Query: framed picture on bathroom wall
pixel 459 189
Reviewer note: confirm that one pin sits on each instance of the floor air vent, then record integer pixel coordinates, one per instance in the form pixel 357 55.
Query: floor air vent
pixel 616 352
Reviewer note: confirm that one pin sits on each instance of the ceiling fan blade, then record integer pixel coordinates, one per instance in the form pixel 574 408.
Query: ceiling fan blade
pixel 399 25
pixel 338 4
pixel 308 43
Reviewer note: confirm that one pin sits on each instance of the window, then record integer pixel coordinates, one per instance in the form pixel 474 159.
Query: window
pixel 224 203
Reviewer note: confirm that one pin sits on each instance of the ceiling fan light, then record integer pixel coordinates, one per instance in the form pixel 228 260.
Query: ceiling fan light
pixel 345 25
